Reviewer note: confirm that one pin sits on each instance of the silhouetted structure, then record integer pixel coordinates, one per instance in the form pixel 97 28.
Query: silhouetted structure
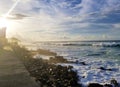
pixel 3 40
pixel 3 32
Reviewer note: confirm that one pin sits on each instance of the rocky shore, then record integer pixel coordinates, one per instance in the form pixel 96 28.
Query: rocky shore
pixel 51 75
pixel 48 74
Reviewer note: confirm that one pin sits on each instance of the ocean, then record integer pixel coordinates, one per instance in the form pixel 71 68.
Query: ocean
pixel 102 58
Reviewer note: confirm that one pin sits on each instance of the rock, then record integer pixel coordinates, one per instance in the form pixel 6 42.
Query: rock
pixel 51 75
pixel 114 82
pixel 95 85
pixel 83 63
pixel 77 62
pixel 108 85
pixel 102 68
pixel 58 59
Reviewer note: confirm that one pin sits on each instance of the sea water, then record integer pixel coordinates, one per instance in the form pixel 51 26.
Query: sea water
pixel 94 54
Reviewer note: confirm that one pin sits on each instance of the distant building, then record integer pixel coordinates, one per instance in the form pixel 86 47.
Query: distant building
pixel 3 32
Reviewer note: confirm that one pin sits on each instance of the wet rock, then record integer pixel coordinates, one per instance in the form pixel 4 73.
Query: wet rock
pixel 83 63
pixel 58 59
pixel 114 82
pixel 95 85
pixel 78 62
pixel 102 68
pixel 108 85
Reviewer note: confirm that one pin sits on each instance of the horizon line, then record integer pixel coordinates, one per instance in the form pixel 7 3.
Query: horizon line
pixel 80 41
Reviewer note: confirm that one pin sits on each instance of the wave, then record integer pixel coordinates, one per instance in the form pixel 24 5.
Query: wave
pixel 113 44
pixel 70 44
pixel 93 44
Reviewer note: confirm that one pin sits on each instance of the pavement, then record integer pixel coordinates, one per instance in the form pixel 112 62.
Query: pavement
pixel 12 71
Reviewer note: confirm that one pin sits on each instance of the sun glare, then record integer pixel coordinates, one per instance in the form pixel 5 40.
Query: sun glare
pixel 3 22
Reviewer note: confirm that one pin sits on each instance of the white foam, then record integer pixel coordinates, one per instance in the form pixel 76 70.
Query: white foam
pixel 91 72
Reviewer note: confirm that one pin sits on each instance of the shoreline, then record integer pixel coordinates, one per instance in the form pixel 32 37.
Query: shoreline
pixel 61 60
pixel 48 73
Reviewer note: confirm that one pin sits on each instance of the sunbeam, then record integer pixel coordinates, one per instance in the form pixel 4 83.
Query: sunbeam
pixel 12 8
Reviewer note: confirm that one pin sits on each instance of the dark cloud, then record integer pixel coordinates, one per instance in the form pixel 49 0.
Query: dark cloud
pixel 17 16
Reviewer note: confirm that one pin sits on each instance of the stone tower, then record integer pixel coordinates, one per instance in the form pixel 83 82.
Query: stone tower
pixel 3 32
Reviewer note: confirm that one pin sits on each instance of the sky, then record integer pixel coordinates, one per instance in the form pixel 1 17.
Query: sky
pixel 54 20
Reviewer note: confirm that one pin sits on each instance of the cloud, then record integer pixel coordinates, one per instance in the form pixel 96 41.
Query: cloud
pixel 5 6
pixel 99 10
pixel 17 16
pixel 64 19
pixel 22 1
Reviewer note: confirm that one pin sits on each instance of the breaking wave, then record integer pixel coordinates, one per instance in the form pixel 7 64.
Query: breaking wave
pixel 113 44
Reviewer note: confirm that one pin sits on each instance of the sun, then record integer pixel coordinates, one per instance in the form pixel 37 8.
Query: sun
pixel 3 22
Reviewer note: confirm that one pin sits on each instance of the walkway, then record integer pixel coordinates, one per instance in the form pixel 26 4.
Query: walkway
pixel 13 72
